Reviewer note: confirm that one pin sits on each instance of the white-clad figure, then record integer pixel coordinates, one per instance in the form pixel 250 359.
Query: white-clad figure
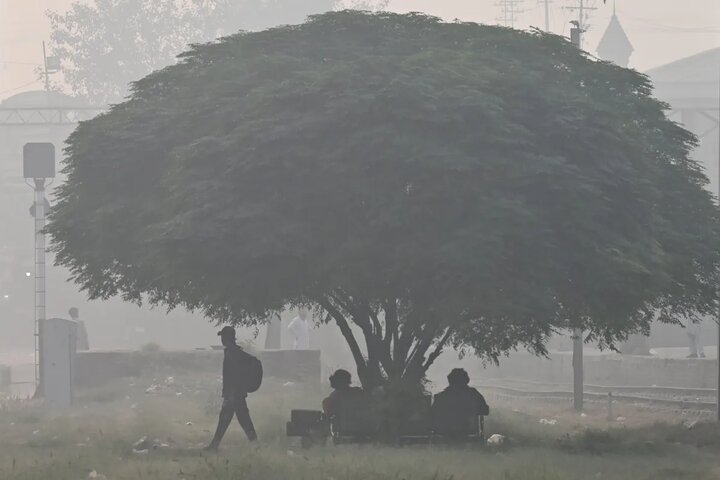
pixel 695 345
pixel 300 330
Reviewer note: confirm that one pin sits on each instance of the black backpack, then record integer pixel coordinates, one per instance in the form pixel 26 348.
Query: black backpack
pixel 251 373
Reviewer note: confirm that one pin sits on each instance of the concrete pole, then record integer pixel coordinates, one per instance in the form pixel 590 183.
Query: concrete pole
pixel 47 74
pixel 577 335
pixel 578 370
pixel 547 15
pixel 39 265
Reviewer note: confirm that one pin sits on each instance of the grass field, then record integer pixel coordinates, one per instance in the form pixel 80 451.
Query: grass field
pixel 95 441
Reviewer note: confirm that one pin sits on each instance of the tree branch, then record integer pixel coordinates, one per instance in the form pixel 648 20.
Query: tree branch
pixel 438 350
pixel 347 333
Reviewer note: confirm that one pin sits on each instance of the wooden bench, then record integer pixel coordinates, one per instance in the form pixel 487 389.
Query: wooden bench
pixel 310 425
pixel 357 422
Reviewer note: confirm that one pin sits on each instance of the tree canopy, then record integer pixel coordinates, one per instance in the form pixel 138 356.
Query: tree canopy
pixel 427 183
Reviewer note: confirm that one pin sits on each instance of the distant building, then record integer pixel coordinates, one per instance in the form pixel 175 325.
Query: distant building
pixel 615 45
pixel 691 86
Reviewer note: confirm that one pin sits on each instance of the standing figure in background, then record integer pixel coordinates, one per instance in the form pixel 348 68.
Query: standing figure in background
pixel 273 335
pixel 300 330
pixel 83 344
pixel 695 345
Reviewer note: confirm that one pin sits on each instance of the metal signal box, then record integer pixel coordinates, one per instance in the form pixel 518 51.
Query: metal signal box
pixel 39 160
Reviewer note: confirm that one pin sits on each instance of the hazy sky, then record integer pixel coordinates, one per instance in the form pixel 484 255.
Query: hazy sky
pixel 660 30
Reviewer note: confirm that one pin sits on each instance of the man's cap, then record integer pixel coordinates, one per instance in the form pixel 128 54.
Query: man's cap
pixel 227 332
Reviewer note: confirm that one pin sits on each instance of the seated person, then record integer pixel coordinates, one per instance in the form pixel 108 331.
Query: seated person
pixel 342 393
pixel 456 409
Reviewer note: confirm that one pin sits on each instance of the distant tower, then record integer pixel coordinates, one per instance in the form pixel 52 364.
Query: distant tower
pixel 511 9
pixel 615 45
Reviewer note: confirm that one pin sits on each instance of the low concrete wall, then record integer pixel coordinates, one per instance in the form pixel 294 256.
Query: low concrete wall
pixel 5 378
pixel 99 367
pixel 624 370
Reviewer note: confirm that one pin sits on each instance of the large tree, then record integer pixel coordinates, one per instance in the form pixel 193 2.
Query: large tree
pixel 105 44
pixel 419 183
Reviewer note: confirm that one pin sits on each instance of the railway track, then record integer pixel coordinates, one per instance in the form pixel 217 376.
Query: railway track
pixel 675 398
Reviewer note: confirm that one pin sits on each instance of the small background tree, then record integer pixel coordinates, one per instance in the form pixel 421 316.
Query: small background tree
pixel 420 184
pixel 106 44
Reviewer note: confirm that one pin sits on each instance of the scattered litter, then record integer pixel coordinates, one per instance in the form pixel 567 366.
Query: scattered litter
pixel 154 388
pixel 288 384
pixel 546 421
pixel 134 406
pixel 583 415
pixel 690 424
pixel 189 424
pixel 144 445
pixel 95 475
pixel 290 453
pixel 496 440
pixel 35 432
pixel 620 419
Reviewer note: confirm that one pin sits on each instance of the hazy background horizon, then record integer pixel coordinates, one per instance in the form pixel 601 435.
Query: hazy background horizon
pixel 661 31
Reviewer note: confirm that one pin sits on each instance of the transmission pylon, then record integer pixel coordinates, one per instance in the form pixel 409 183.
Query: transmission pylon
pixel 510 10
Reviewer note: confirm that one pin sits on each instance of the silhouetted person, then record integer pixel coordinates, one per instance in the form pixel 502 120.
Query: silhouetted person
pixel 342 392
pixel 457 408
pixel 83 344
pixel 233 392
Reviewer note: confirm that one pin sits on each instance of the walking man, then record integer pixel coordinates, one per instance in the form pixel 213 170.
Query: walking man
pixel 238 370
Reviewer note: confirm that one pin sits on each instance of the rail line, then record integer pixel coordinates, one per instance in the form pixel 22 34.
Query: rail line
pixel 652 389
pixel 697 399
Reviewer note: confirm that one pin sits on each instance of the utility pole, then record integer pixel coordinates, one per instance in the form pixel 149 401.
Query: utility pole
pixel 547 15
pixel 38 167
pixel 45 66
pixel 50 65
pixel 510 11
pixel 577 334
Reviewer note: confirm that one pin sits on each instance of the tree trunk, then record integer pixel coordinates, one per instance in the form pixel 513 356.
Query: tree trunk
pixel 395 352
